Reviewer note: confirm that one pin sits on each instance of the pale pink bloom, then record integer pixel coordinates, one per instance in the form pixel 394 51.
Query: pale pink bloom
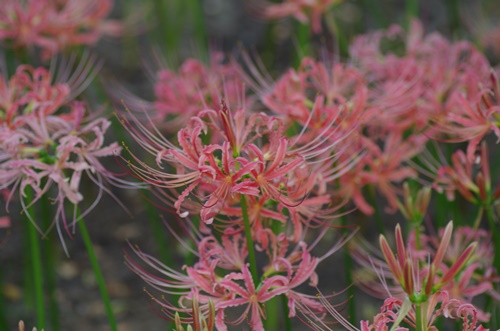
pixel 471 120
pixel 221 274
pixel 56 152
pixel 420 284
pixel 236 162
pixel 383 167
pixel 478 276
pixel 328 100
pixel 246 294
pixel 55 26
pixel 411 272
pixel 415 78
pixel 439 306
pixel 305 11
pixel 183 93
pixel 400 315
pixel 200 323
pixel 464 176
pixel 49 142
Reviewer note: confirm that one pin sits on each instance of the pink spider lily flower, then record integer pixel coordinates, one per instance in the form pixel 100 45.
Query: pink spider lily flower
pixel 417 269
pixel 419 286
pixel 396 312
pixel 384 168
pixel 55 26
pixel 221 275
pixel 478 276
pixel 182 94
pixel 471 121
pixel 462 177
pixel 398 315
pixel 200 323
pixel 51 89
pixel 422 81
pixel 235 163
pixel 49 143
pixel 456 63
pixel 247 294
pixel 56 153
pixel 305 11
pixel 317 96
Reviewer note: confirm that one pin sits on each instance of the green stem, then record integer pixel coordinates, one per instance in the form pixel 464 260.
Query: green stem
pixel 272 314
pixel 418 240
pixel 351 304
pixel 29 299
pixel 378 216
pixel 376 10
pixel 50 270
pixel 304 42
pixel 168 32
pixel 98 274
pixel 411 10
pixel 454 15
pixel 4 325
pixel 248 235
pixel 286 310
pixel 419 316
pixel 333 26
pixel 157 229
pixel 36 260
pixel 195 8
pixel 496 236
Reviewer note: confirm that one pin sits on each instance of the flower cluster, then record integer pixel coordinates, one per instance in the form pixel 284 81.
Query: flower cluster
pixel 222 277
pixel 183 93
pixel 49 141
pixel 328 132
pixel 54 26
pixel 240 172
pixel 305 11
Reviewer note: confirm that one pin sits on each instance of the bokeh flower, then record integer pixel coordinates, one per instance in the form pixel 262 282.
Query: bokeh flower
pixel 55 26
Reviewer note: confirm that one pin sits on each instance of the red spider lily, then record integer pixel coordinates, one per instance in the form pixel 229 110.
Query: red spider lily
pixel 221 275
pixel 47 149
pixel 462 177
pixel 305 11
pixel 405 269
pixel 381 167
pixel 198 320
pixel 414 206
pixel 247 156
pixel 399 315
pixel 394 312
pixel 251 296
pixel 329 101
pixel 55 26
pixel 182 94
pixel 478 276
pixel 471 121
pixel 418 85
